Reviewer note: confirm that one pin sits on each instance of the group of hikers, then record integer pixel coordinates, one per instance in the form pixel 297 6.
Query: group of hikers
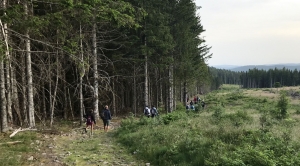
pixel 91 121
pixel 150 112
pixel 197 100
pixel 106 117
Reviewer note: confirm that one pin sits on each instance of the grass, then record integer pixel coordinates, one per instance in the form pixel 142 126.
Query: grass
pixel 99 149
pixel 238 127
pixel 66 143
pixel 13 154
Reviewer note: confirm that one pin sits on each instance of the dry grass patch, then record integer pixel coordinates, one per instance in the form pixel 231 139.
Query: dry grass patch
pixel 261 93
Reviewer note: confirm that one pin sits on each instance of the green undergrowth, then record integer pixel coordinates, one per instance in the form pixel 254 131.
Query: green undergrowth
pixel 12 154
pixel 224 134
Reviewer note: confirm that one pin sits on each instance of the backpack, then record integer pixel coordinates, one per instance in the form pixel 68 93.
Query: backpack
pixel 147 111
pixel 89 119
pixel 153 111
pixel 192 107
pixel 102 115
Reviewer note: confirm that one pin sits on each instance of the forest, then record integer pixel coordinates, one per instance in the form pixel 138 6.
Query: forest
pixel 59 58
pixel 254 78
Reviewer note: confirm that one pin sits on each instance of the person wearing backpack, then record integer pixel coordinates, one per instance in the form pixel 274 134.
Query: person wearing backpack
pixel 192 107
pixel 106 117
pixel 90 120
pixel 187 107
pixel 153 112
pixel 147 111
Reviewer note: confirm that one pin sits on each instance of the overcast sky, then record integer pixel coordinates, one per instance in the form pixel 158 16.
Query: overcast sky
pixel 251 32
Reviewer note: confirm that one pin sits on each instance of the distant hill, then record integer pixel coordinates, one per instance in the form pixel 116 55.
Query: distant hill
pixel 226 66
pixel 290 66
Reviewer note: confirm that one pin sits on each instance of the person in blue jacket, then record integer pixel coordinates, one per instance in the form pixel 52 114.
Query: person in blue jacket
pixel 106 117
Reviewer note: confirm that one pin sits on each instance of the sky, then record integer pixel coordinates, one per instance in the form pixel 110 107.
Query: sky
pixel 251 32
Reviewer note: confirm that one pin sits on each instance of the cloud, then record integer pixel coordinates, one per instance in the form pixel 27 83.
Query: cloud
pixel 250 28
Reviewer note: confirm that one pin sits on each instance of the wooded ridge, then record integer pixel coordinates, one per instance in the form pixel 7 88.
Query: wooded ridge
pixel 290 66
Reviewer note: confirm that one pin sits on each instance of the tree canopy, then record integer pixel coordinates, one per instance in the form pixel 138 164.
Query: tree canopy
pixel 121 53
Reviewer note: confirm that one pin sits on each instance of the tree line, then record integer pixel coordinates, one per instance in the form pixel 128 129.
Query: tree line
pixel 223 76
pixel 61 57
pixel 255 78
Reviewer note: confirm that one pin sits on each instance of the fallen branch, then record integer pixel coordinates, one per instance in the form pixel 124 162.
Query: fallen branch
pixel 20 129
pixel 11 143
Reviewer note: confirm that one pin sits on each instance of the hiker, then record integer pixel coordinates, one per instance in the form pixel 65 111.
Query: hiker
pixel 90 120
pixel 198 98
pixel 192 107
pixel 195 100
pixel 147 111
pixel 191 103
pixel 153 112
pixel 187 107
pixel 106 117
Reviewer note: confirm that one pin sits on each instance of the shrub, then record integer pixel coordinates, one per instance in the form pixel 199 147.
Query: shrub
pixel 218 113
pixel 239 118
pixel 235 96
pixel 253 148
pixel 282 105
pixel 265 120
pixel 173 116
pixel 180 107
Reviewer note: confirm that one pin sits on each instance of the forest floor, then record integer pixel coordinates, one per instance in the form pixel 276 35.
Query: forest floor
pixel 75 147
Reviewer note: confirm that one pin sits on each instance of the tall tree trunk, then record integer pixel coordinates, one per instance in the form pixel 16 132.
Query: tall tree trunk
pixel 3 102
pixel 4 125
pixel 95 68
pixel 156 88
pixel 7 66
pixel 170 90
pixel 114 97
pixel 65 96
pixel 146 95
pixel 134 91
pixel 146 83
pixel 174 89
pixel 81 74
pixel 8 77
pixel 8 90
pixel 161 89
pixel 50 86
pixel 29 74
pixel 44 104
pixel 70 102
pixel 15 99
pixel 24 85
pixel 184 93
pixel 55 90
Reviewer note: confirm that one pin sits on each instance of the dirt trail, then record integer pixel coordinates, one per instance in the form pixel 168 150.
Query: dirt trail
pixel 79 148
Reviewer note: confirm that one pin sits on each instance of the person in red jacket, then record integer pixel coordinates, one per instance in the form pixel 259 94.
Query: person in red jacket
pixel 90 120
